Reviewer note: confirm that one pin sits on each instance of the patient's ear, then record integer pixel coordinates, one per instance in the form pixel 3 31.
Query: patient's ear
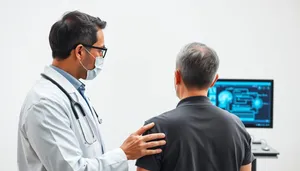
pixel 177 77
pixel 216 78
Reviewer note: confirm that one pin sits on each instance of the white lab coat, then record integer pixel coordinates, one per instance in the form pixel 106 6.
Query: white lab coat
pixel 49 136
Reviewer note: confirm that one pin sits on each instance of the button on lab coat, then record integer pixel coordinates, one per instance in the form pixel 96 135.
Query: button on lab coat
pixel 49 135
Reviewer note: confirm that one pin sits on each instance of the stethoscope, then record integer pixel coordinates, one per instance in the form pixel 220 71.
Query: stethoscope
pixel 75 104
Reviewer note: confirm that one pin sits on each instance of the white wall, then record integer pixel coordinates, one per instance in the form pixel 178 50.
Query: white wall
pixel 254 39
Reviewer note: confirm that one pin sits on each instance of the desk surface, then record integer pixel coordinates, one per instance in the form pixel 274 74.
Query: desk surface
pixel 259 152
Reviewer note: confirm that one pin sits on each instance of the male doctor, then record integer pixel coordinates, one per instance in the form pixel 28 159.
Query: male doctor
pixel 58 127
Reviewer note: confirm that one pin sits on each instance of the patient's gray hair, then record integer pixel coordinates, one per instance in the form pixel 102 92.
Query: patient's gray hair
pixel 198 65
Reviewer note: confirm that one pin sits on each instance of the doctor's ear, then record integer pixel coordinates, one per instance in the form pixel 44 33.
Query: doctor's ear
pixel 78 51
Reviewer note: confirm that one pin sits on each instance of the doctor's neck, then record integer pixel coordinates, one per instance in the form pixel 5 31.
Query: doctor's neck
pixel 68 65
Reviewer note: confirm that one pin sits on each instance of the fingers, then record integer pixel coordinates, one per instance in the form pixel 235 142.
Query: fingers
pixel 154 144
pixel 151 152
pixel 154 136
pixel 144 129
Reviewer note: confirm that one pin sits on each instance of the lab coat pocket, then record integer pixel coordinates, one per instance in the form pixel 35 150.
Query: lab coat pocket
pixel 87 134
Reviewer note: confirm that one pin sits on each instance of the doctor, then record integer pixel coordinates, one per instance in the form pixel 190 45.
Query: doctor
pixel 58 126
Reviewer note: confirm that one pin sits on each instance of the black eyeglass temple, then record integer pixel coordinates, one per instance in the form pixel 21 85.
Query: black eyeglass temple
pixel 90 46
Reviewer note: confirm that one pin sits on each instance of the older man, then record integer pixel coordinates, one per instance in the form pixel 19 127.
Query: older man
pixel 200 136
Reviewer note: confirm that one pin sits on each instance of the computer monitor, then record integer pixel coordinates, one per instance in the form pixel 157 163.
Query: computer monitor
pixel 251 100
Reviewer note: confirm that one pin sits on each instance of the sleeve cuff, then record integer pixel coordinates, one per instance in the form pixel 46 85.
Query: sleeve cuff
pixel 116 156
pixel 249 160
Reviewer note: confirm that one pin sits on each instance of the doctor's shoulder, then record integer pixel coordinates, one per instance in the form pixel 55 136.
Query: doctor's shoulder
pixel 42 92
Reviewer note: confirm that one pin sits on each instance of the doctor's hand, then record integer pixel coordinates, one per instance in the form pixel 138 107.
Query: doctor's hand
pixel 137 146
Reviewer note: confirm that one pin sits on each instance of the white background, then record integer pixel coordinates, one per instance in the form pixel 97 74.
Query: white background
pixel 254 39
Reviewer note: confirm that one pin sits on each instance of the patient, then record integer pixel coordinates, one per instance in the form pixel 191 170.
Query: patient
pixel 200 136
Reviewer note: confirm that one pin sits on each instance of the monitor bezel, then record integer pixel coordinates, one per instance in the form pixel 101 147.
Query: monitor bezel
pixel 271 101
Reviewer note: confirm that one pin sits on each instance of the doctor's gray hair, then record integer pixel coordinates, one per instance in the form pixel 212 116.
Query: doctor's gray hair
pixel 198 65
pixel 74 28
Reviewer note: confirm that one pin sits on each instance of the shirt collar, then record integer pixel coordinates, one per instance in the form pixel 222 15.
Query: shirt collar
pixel 75 82
pixel 192 100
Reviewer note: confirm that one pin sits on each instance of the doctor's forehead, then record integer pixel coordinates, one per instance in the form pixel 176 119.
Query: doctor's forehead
pixel 100 38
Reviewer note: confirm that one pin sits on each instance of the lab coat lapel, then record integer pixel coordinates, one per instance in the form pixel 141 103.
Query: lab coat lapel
pixel 85 106
pixel 73 92
pixel 60 79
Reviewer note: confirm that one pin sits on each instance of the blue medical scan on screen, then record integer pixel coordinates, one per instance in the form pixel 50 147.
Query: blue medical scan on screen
pixel 250 100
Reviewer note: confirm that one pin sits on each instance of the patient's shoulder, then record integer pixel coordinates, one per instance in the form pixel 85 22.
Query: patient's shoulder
pixel 165 120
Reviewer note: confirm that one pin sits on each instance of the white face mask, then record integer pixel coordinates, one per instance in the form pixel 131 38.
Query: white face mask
pixel 91 74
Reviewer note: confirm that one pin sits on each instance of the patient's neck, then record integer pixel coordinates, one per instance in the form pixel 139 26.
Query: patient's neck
pixel 193 92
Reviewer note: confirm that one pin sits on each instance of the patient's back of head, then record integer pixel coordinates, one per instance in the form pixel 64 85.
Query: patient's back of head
pixel 200 136
pixel 196 67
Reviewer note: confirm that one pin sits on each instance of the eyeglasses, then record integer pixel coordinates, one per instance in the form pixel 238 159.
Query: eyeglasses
pixel 103 49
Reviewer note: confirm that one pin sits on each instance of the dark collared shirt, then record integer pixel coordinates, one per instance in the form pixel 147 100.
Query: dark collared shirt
pixel 200 137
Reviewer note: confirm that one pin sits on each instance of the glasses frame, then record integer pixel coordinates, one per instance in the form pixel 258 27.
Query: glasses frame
pixel 104 49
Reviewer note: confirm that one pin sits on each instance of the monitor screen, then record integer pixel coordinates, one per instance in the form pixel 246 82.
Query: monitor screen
pixel 251 100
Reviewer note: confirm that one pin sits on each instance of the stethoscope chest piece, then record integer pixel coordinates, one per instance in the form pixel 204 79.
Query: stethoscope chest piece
pixel 100 120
